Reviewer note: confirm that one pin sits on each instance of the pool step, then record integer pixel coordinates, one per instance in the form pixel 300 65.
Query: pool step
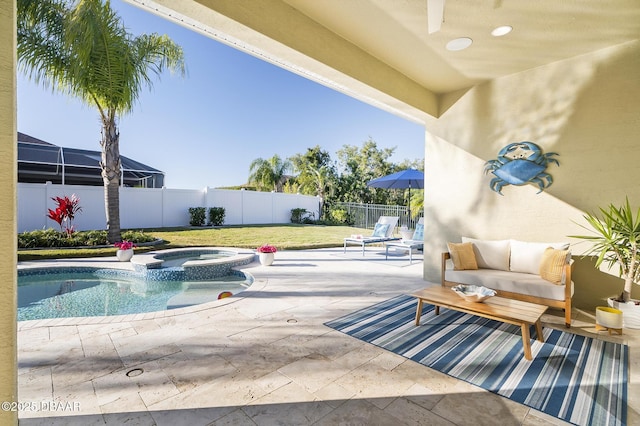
pixel 200 293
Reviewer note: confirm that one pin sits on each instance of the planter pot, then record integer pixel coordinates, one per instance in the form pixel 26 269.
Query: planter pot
pixel 266 258
pixel 630 312
pixel 609 317
pixel 124 255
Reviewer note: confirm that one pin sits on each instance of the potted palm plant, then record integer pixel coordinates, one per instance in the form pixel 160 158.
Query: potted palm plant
pixel 616 242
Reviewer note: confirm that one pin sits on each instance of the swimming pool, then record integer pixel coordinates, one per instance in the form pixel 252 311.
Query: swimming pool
pixel 162 280
pixel 82 292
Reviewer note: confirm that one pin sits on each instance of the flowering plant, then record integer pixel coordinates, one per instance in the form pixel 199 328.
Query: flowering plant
pixel 125 245
pixel 65 212
pixel 267 248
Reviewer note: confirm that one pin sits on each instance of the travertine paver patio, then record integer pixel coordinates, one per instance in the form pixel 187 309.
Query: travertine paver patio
pixel 263 358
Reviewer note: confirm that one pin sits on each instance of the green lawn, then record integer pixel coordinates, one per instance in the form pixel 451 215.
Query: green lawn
pixel 284 237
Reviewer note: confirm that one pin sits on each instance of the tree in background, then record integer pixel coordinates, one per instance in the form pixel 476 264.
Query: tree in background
pixel 269 174
pixel 417 202
pixel 359 166
pixel 417 195
pixel 316 173
pixel 82 48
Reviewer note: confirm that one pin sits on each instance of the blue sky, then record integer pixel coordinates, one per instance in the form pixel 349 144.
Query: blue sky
pixel 231 108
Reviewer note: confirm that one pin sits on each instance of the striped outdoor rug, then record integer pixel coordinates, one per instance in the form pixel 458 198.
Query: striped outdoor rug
pixel 575 378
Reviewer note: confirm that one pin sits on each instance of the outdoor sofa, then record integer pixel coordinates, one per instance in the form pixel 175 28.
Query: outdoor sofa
pixel 527 271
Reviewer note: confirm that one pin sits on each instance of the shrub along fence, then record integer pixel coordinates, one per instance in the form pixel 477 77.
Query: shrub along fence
pixel 158 207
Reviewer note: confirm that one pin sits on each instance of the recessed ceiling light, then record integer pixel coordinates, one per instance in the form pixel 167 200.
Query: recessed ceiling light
pixel 500 31
pixel 459 43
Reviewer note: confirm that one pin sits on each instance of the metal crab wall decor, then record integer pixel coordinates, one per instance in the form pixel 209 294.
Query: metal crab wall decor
pixel 520 163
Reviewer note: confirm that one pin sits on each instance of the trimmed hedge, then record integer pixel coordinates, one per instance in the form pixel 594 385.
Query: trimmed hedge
pixel 216 216
pixel 51 238
pixel 197 216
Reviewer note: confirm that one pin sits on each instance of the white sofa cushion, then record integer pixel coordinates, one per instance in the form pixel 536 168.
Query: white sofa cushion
pixel 526 257
pixel 491 254
pixel 515 282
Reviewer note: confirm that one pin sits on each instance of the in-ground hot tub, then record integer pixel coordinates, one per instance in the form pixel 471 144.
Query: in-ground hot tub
pixel 191 263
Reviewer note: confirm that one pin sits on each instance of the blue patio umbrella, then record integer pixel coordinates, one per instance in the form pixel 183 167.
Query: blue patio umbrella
pixel 405 179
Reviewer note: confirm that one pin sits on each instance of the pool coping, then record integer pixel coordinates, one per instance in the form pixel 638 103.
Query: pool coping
pixel 151 260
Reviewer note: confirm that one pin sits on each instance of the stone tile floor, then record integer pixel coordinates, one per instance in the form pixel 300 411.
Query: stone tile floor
pixel 261 358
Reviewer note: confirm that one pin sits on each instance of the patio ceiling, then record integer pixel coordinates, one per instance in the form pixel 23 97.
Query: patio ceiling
pixel 380 51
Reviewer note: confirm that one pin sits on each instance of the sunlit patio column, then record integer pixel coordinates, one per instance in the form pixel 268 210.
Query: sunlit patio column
pixel 8 224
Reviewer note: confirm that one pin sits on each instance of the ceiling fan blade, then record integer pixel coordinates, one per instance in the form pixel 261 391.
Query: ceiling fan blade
pixel 435 15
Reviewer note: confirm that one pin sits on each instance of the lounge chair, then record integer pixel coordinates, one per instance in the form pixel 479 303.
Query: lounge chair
pixel 416 241
pixel 383 231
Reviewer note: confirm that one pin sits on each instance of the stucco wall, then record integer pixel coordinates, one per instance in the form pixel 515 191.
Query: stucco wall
pixel 586 109
pixel 8 173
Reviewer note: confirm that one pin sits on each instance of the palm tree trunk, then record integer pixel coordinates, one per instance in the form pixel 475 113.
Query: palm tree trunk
pixel 630 274
pixel 110 166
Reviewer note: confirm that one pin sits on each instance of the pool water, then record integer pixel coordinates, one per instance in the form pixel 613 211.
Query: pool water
pixel 102 292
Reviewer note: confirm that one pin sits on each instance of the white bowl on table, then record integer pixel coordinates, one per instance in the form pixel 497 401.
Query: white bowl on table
pixel 473 293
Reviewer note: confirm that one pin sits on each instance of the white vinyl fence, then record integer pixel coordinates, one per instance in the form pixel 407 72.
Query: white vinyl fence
pixel 157 207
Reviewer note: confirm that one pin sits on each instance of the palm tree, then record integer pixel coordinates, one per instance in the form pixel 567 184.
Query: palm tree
pixel 81 48
pixel 616 242
pixel 269 174
pixel 417 201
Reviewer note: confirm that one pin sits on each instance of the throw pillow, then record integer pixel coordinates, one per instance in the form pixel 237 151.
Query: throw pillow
pixel 462 255
pixel 490 254
pixel 526 257
pixel 380 230
pixel 552 265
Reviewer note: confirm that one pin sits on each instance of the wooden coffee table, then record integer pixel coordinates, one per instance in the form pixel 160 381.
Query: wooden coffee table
pixel 496 308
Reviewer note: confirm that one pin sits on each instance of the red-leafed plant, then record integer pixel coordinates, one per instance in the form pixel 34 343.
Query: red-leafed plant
pixel 65 212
